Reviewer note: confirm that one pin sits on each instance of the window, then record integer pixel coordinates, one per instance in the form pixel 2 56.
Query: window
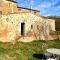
pixel 37 26
pixel 35 12
pixel 31 26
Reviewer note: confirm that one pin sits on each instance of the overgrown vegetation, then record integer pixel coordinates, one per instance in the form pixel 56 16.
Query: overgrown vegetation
pixel 25 51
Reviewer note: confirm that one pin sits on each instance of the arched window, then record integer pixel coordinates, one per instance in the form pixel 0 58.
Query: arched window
pixel 37 26
pixel 31 26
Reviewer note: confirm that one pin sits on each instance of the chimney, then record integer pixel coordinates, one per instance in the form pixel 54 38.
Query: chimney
pixel 30 6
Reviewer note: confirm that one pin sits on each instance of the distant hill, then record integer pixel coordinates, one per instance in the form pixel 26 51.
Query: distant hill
pixel 57 21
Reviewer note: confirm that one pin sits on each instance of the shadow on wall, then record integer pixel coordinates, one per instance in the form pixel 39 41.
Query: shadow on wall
pixel 39 56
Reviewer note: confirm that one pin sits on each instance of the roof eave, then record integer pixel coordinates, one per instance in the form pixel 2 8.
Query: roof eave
pixel 12 1
pixel 28 9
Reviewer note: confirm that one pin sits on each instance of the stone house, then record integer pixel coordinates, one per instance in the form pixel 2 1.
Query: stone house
pixel 25 25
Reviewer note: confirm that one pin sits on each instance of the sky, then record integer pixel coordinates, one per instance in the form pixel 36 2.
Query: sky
pixel 46 7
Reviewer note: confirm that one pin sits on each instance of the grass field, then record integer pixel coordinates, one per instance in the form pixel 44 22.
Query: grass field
pixel 25 51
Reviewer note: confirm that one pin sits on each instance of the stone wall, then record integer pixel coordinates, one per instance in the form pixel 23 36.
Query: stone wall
pixel 8 7
pixel 10 27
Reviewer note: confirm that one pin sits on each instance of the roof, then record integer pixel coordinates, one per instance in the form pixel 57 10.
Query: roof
pixel 28 9
pixel 12 1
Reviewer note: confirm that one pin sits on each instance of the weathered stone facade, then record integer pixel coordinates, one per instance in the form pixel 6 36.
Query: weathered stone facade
pixel 25 27
pixel 23 24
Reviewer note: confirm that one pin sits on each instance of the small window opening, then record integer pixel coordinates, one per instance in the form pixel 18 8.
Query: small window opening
pixel 31 26
pixel 37 26
pixel 35 12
